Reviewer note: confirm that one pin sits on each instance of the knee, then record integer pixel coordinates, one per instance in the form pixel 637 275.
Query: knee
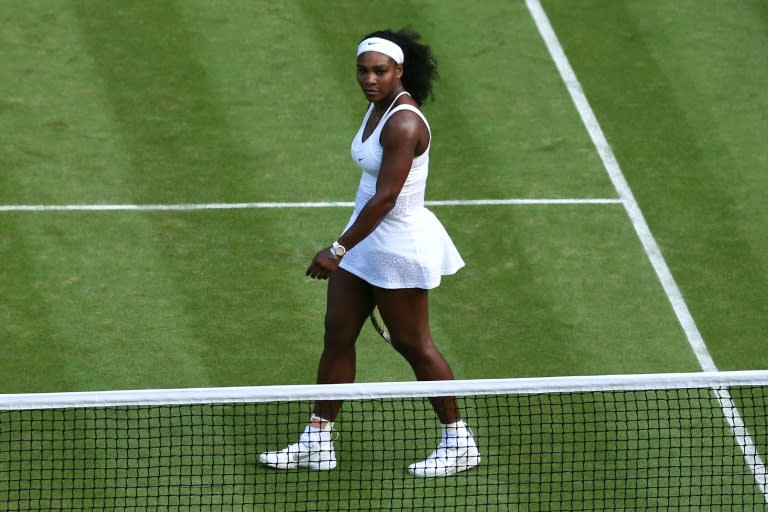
pixel 339 335
pixel 414 349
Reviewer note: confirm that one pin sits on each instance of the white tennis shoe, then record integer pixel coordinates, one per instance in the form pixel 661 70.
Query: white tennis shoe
pixel 457 452
pixel 314 451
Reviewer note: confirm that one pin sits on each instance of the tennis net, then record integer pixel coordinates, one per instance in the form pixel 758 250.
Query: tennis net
pixel 645 442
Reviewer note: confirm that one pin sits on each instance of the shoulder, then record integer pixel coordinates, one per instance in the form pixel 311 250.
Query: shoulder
pixel 405 122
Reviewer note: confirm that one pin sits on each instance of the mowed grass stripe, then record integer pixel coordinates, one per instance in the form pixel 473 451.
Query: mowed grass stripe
pixel 102 307
pixel 165 109
pixel 696 180
pixel 288 99
pixel 25 318
pixel 175 129
pixel 685 125
pixel 546 292
pixel 57 123
pixel 26 111
pixel 518 133
pixel 613 169
pixel 75 309
pixel 718 84
pixel 114 318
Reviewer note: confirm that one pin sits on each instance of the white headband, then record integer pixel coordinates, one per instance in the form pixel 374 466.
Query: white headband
pixel 385 46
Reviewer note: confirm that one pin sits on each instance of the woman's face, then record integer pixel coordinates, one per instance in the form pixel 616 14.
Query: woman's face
pixel 378 75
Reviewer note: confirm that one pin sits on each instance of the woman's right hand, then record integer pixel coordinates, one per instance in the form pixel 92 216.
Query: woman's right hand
pixel 323 264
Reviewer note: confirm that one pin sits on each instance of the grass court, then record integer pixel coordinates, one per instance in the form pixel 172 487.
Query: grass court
pixel 133 130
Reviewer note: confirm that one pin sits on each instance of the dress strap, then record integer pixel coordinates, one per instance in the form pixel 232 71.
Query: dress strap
pixel 415 110
pixel 392 105
pixel 387 114
pixel 410 108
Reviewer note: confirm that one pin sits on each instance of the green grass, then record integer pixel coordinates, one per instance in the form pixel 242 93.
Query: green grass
pixel 195 101
pixel 682 104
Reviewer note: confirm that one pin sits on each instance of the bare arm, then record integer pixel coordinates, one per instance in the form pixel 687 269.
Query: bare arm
pixel 399 138
pixel 403 137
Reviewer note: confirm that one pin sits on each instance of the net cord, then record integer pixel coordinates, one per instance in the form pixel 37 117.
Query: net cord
pixel 362 391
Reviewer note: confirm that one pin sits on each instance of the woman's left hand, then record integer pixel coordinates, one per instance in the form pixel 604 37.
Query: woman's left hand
pixel 323 264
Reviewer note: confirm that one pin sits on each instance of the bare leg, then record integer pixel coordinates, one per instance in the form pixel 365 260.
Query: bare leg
pixel 405 311
pixel 406 314
pixel 349 302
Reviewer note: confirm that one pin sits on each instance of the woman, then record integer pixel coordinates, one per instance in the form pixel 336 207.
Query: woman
pixel 392 252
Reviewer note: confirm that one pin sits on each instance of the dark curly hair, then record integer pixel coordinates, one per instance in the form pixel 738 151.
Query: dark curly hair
pixel 419 67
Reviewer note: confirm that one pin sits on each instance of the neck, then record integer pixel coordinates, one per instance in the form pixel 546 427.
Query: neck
pixel 381 106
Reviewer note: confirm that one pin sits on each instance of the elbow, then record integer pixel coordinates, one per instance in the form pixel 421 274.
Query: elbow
pixel 384 201
pixel 388 203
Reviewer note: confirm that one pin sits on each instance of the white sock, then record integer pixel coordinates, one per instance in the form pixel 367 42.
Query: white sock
pixel 318 435
pixel 317 419
pixel 455 432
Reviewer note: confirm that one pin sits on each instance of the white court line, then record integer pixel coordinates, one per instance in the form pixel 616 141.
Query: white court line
pixel 696 341
pixel 321 204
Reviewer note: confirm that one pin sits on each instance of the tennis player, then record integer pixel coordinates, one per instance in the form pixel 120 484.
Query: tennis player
pixel 391 253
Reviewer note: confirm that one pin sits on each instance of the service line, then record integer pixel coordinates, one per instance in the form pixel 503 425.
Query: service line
pixel 313 204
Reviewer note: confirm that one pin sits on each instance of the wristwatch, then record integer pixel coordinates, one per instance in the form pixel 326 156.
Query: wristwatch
pixel 338 250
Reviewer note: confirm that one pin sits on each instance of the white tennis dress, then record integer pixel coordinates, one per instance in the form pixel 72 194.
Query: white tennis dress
pixel 410 247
